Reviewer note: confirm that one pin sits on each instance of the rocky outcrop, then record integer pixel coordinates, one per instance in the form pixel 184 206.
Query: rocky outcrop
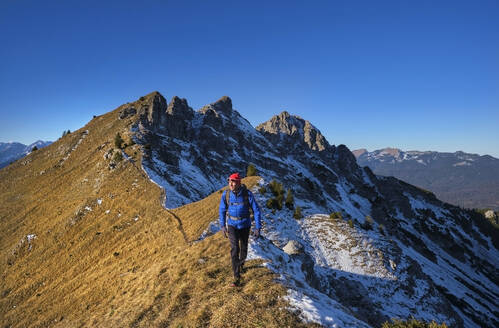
pixel 178 114
pixel 290 131
pixel 293 248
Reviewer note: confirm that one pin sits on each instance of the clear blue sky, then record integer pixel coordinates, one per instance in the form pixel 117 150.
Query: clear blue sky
pixel 417 75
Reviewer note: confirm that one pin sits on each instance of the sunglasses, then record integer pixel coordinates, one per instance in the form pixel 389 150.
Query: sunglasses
pixel 232 180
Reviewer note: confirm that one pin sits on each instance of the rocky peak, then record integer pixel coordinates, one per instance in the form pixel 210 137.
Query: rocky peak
pixel 151 108
pixel 395 152
pixel 283 123
pixel 179 108
pixel 222 105
pixel 296 127
pixel 359 152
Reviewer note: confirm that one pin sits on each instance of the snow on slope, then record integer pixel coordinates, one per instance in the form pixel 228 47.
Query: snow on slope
pixel 340 256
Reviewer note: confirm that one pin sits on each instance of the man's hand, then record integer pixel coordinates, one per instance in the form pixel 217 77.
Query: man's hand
pixel 224 230
pixel 256 233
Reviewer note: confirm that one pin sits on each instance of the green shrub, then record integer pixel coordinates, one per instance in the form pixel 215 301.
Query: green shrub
pixel 251 171
pixel 271 203
pixel 276 188
pixel 262 190
pixel 279 200
pixel 290 202
pixel 34 148
pixel 381 229
pixel 117 157
pixel 278 192
pixel 118 141
pixel 335 215
pixel 350 223
pixel 368 224
pixel 297 214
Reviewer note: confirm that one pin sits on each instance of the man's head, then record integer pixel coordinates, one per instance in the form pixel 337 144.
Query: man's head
pixel 234 182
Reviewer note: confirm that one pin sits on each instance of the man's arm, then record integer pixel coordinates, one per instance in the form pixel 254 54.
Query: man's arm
pixel 256 210
pixel 222 210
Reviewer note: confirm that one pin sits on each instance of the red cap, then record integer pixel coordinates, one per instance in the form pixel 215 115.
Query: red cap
pixel 235 176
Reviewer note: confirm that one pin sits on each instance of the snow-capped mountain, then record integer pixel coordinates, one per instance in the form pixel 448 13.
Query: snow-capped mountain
pixel 403 253
pixel 463 179
pixel 12 151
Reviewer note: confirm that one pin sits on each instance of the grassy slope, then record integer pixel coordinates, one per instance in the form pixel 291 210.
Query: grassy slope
pixel 134 266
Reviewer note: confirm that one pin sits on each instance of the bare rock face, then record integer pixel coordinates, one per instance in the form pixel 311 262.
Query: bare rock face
pixel 298 129
pixel 152 110
pixel 178 114
pixel 127 112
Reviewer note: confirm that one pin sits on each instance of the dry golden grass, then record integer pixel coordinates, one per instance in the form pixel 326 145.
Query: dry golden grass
pixel 127 262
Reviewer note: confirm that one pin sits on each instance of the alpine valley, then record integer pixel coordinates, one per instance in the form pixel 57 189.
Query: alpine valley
pixel 12 151
pixel 467 180
pixel 114 225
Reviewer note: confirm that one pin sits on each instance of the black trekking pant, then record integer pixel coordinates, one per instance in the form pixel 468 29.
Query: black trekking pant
pixel 238 248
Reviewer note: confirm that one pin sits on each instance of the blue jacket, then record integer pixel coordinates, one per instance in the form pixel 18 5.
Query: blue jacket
pixel 237 208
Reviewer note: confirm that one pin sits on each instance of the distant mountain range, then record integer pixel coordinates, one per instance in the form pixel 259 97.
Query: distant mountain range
pixel 12 151
pixel 459 178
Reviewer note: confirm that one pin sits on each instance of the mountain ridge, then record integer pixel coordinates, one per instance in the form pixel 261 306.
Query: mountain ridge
pixel 131 241
pixel 463 179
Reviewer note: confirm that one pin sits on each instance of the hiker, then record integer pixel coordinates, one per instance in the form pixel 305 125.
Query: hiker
pixel 235 221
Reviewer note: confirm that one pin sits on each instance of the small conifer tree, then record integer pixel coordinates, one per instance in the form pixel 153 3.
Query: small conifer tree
pixel 335 215
pixel 251 171
pixel 34 148
pixel 368 224
pixel 290 202
pixel 297 214
pixel 118 141
pixel 381 229
pixel 118 157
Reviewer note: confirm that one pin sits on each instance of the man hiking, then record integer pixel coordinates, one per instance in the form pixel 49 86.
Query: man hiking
pixel 235 212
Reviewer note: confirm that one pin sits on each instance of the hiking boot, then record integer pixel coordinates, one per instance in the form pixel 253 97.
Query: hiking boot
pixel 235 283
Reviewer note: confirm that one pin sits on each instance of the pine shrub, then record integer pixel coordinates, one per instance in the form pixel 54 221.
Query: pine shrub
pixel 381 229
pixel 262 190
pixel 34 148
pixel 251 171
pixel 117 157
pixel 271 203
pixel 297 214
pixel 335 215
pixel 368 224
pixel 276 188
pixel 290 202
pixel 118 141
